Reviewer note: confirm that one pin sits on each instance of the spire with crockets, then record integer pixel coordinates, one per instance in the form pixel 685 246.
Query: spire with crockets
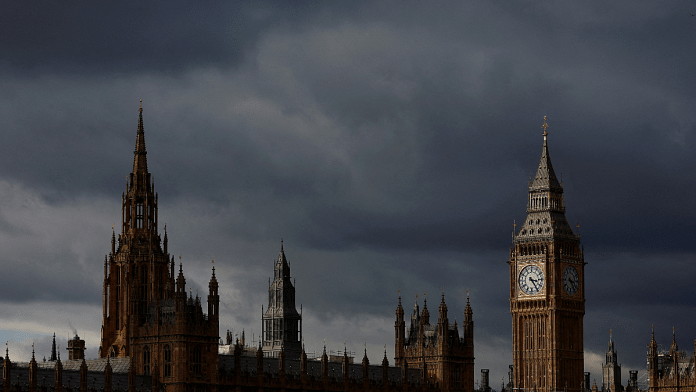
pixel 545 203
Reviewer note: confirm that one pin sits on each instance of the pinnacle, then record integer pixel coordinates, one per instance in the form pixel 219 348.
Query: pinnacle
pixel 140 159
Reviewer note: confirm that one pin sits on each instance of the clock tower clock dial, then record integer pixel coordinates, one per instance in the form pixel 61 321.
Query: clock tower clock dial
pixel 531 280
pixel 547 294
pixel 570 280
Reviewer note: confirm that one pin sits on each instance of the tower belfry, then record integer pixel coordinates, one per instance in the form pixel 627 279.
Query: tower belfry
pixel 282 324
pixel 547 291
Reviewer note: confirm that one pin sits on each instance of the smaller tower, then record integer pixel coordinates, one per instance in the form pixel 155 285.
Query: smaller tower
pixel 400 332
pixel 611 370
pixel 76 348
pixel 282 324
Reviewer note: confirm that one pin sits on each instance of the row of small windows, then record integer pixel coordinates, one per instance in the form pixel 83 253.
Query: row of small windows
pixel 538 231
pixel 535 249
pixel 543 202
pixel 526 250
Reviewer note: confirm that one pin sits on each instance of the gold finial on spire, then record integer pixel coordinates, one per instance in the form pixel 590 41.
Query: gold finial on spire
pixel 141 105
pixel 544 126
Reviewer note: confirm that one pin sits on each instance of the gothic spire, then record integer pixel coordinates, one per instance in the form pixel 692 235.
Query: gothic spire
pixel 443 308
pixel 545 178
pixel 53 349
pixel 545 203
pixel 283 262
pixel 673 347
pixel 140 159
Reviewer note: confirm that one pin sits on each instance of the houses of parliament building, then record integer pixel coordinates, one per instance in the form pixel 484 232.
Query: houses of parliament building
pixel 157 336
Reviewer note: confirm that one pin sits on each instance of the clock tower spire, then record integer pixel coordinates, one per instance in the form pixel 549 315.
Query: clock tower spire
pixel 547 292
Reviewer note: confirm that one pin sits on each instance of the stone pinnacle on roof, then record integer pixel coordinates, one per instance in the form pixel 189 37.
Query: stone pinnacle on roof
pixel 140 159
pixel 545 177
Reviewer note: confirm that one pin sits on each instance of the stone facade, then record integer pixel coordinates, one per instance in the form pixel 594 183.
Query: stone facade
pixel 445 358
pixel 547 290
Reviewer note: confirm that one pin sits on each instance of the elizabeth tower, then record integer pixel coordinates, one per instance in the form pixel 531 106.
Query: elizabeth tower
pixel 547 290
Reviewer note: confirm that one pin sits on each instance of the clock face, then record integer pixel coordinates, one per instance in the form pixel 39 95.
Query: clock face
pixel 570 280
pixel 531 279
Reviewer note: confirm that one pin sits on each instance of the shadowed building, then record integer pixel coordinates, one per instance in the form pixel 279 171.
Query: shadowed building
pixel 547 290
pixel 445 358
pixel 148 315
pixel 672 371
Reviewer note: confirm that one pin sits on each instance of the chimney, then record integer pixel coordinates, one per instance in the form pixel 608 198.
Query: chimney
pixel 76 348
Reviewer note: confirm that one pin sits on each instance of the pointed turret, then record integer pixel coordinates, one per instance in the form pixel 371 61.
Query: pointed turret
pixel 442 310
pixel 425 314
pixel 399 333
pixel 213 297
pixel 468 320
pixel 673 348
pixel 442 321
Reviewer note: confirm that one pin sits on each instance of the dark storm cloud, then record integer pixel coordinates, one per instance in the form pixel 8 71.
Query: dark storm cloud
pixel 389 144
pixel 135 37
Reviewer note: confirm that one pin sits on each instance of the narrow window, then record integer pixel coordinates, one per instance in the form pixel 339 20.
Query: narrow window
pixel 167 361
pixel 146 360
pixel 197 360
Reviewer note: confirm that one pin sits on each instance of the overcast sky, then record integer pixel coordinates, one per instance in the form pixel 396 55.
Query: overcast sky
pixel 389 144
